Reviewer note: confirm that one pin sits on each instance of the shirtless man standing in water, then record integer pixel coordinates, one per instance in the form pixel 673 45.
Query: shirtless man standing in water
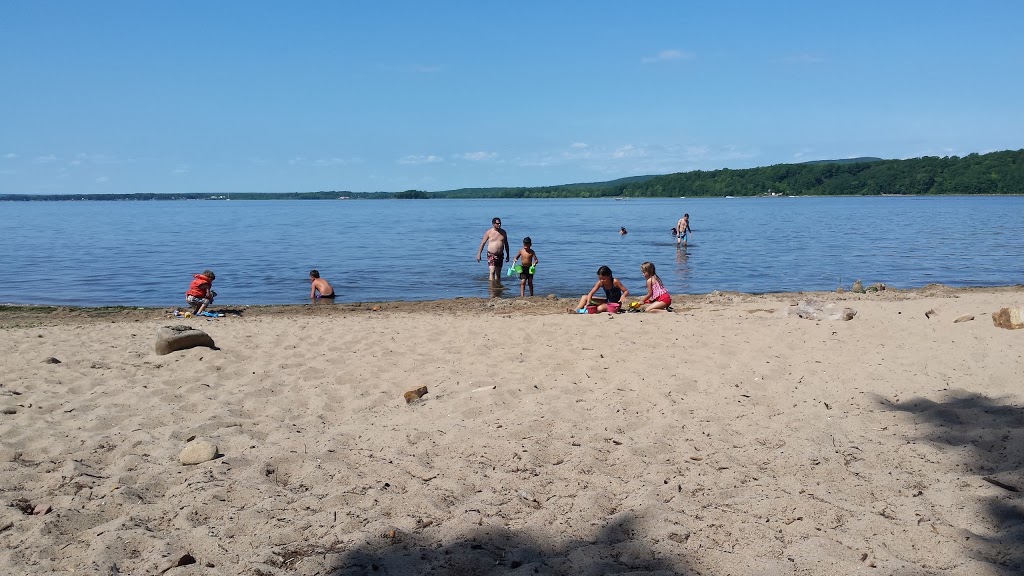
pixel 497 247
pixel 683 230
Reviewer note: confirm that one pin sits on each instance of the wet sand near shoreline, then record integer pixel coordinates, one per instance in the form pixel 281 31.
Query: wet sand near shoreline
pixel 13 315
pixel 727 437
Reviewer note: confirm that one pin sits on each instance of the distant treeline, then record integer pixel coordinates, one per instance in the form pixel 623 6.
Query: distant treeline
pixel 994 173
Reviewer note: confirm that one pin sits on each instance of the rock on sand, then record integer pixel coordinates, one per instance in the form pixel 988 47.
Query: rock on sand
pixel 197 452
pixel 1010 318
pixel 180 337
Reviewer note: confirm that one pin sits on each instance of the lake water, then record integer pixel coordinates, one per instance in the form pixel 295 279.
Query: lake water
pixel 144 253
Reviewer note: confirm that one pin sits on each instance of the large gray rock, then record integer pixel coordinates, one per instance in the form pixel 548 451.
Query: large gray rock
pixel 180 337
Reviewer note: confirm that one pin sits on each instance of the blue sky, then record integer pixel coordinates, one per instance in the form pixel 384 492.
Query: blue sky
pixel 165 97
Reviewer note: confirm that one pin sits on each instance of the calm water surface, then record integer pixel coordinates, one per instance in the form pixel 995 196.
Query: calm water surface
pixel 144 253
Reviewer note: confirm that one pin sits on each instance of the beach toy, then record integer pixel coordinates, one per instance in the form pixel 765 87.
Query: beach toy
pixel 533 268
pixel 634 304
pixel 591 309
pixel 613 307
pixel 511 270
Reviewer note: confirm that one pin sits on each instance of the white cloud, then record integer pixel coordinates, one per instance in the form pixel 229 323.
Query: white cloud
pixel 83 157
pixel 322 162
pixel 628 151
pixel 579 145
pixel 420 159
pixel 669 55
pixel 940 152
pixel 48 159
pixel 478 156
pixel 802 154
pixel 11 156
pixel 640 159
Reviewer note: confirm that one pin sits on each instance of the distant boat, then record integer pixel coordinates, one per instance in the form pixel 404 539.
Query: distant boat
pixel 728 196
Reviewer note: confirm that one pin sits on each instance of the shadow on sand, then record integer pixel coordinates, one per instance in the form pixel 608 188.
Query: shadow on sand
pixel 992 433
pixel 616 549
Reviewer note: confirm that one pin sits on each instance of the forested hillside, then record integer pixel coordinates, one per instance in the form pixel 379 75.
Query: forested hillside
pixel 993 173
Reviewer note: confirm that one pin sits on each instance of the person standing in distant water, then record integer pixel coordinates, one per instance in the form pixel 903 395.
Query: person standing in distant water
pixel 497 248
pixel 623 231
pixel 320 287
pixel 683 230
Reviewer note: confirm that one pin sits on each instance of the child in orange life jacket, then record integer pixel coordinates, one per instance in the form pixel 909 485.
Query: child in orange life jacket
pixel 200 292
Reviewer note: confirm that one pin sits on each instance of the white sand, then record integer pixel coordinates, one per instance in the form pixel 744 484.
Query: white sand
pixel 721 439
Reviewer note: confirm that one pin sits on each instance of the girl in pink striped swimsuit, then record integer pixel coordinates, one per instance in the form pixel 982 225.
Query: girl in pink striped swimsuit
pixel 657 298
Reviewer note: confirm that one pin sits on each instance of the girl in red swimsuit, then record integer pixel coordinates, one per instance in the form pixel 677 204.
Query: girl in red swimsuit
pixel 657 298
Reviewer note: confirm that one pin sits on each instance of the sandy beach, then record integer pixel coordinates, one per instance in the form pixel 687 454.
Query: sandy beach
pixel 728 437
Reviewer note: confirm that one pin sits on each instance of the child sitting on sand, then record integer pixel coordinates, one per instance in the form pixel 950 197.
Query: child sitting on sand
pixel 614 291
pixel 529 261
pixel 320 288
pixel 200 293
pixel 657 298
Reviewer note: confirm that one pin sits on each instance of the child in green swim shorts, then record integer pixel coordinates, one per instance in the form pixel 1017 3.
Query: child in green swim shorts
pixel 529 261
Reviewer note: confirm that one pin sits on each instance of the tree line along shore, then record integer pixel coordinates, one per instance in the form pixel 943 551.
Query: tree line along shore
pixel 995 173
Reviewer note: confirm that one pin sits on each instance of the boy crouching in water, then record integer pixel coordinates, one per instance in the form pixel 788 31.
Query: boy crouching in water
pixel 200 292
pixel 528 259
pixel 319 287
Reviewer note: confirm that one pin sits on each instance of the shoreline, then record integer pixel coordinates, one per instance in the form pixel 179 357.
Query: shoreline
pixel 12 314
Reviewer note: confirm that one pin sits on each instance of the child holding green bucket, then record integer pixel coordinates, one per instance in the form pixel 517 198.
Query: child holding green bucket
pixel 525 263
